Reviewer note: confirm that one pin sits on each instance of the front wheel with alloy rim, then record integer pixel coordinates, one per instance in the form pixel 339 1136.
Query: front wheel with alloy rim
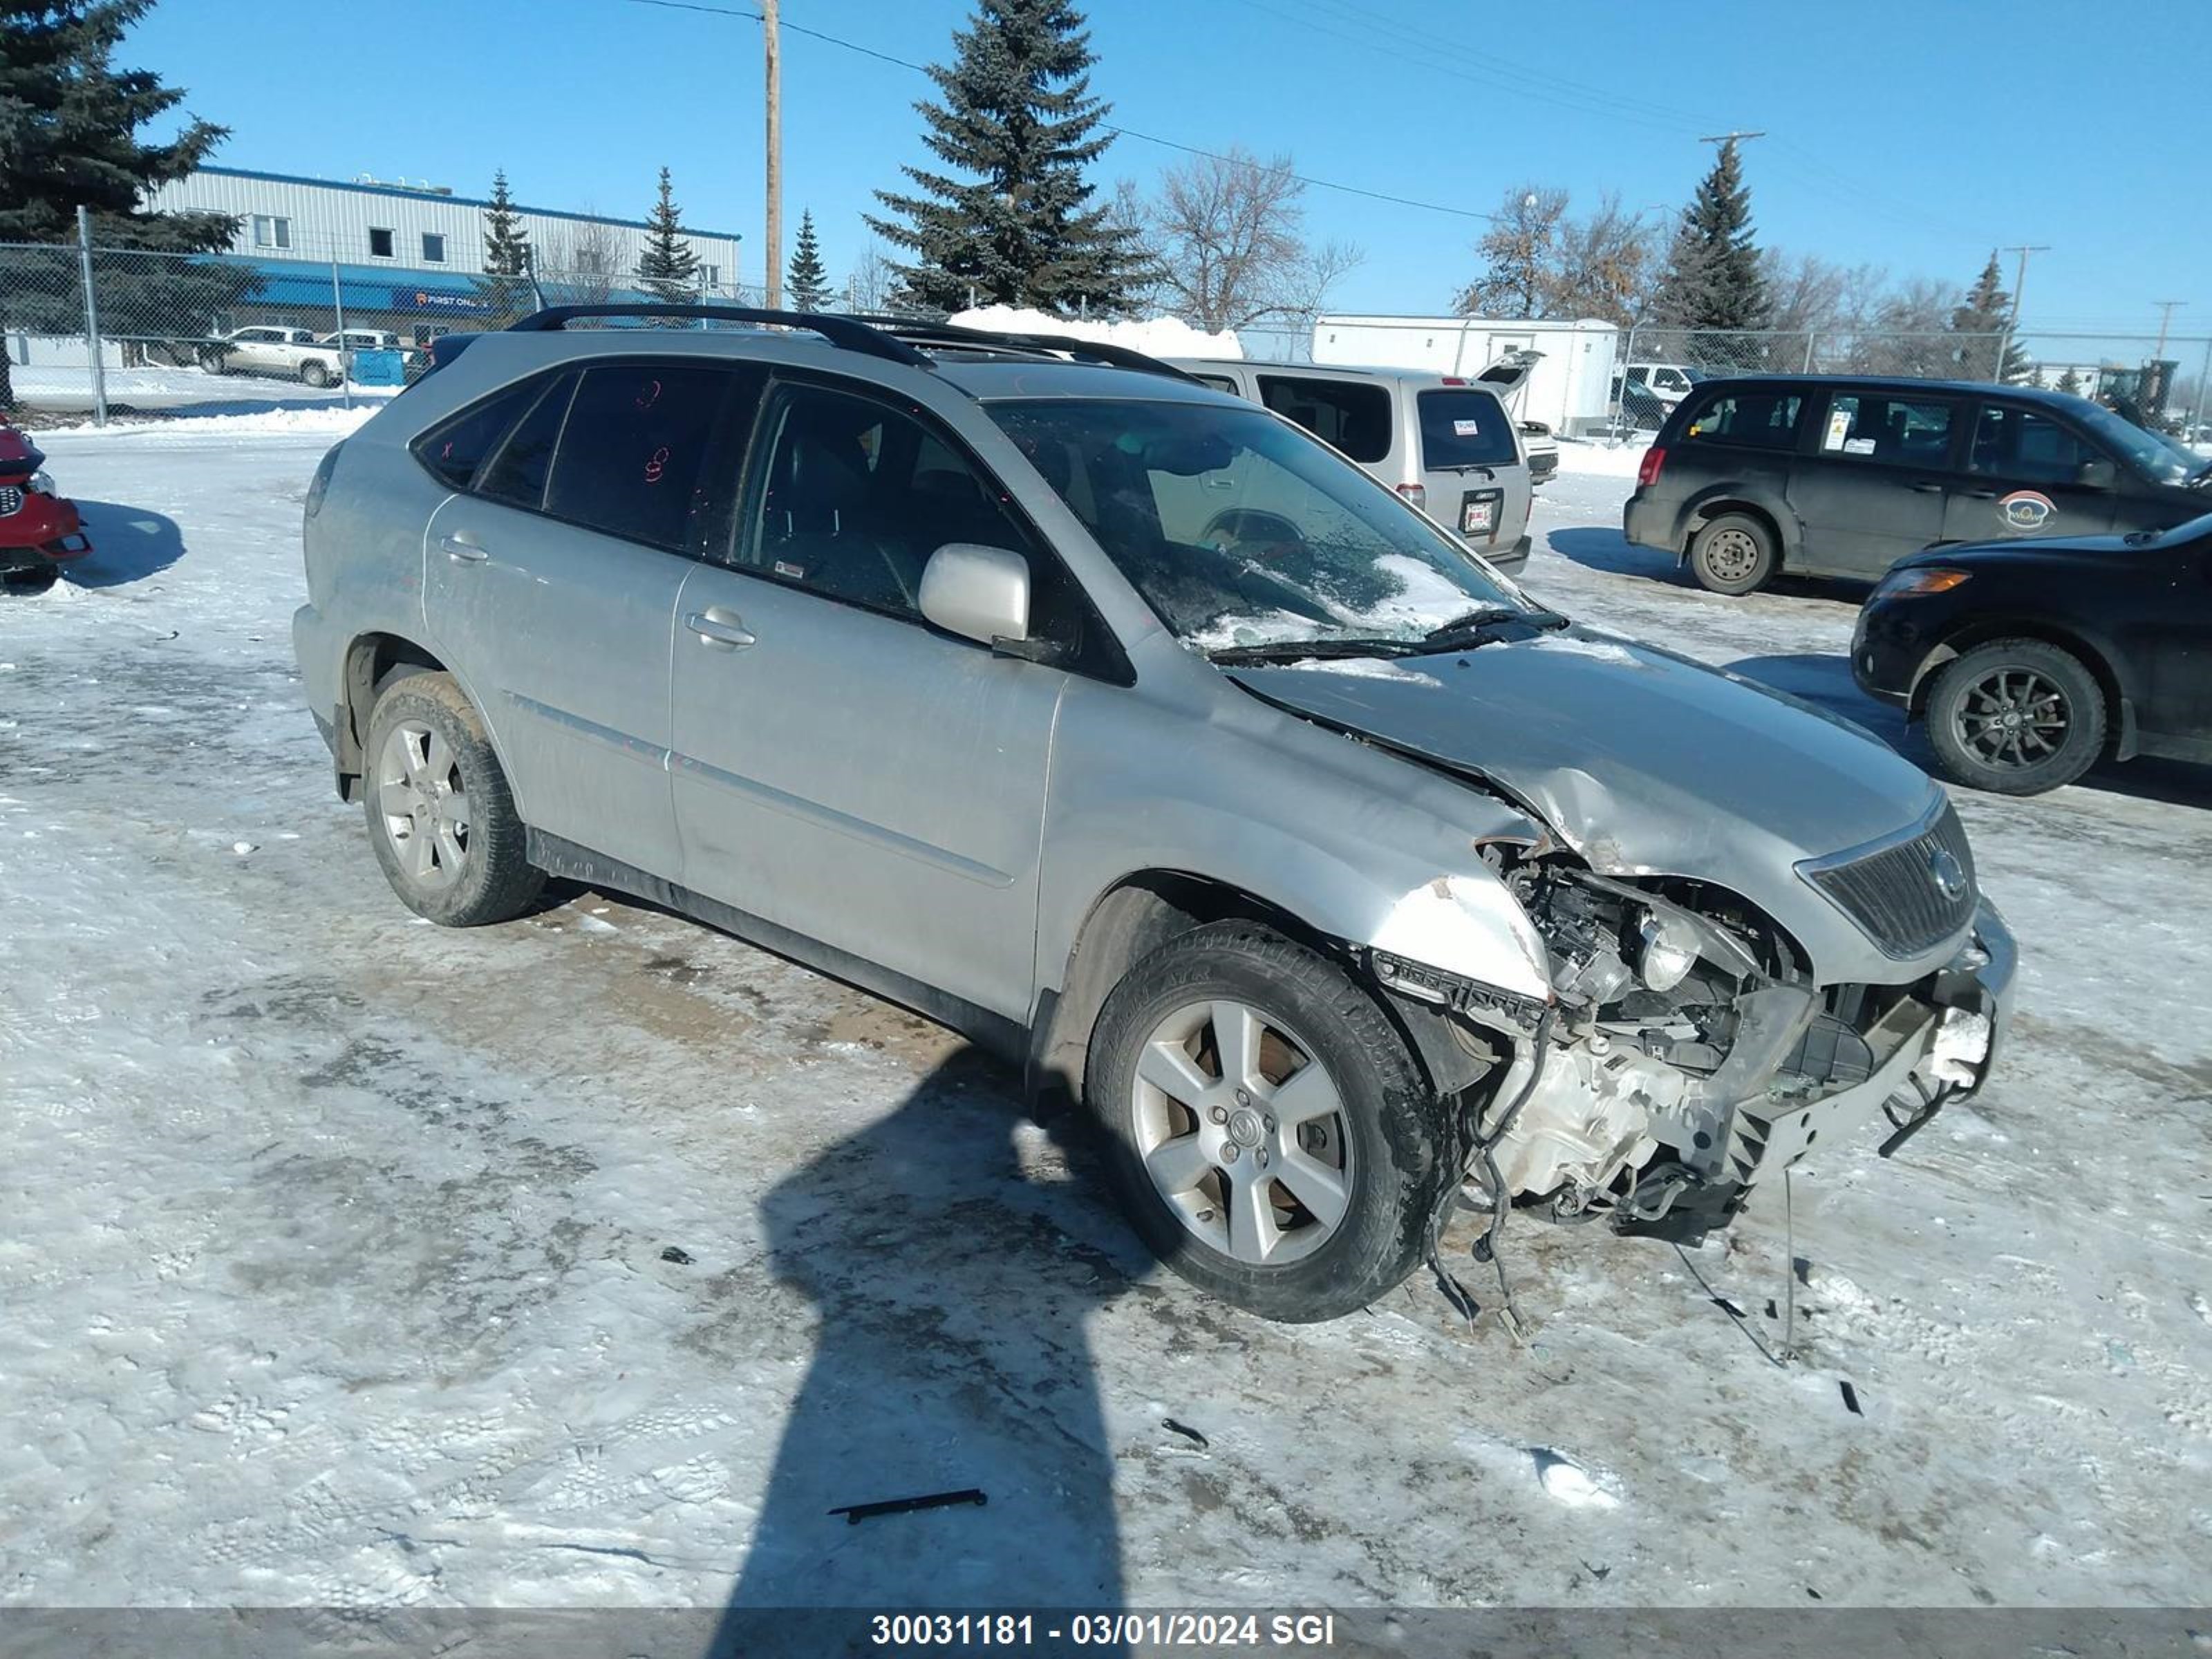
pixel 1734 554
pixel 440 816
pixel 2016 717
pixel 1274 1140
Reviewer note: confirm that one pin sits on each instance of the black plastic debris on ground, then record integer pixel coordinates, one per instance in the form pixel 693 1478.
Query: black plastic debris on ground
pixel 677 1254
pixel 1185 1431
pixel 1850 1398
pixel 856 1513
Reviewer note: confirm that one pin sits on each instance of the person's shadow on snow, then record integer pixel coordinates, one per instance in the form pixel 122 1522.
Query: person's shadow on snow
pixel 952 1288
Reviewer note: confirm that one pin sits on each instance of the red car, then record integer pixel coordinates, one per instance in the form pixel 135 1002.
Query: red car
pixel 38 527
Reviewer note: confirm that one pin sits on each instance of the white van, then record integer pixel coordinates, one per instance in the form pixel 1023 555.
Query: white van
pixel 1445 442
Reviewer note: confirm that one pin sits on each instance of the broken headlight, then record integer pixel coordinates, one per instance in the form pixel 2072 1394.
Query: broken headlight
pixel 1668 948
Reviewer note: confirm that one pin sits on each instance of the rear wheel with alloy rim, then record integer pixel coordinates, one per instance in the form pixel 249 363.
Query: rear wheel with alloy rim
pixel 1274 1142
pixel 440 814
pixel 2016 717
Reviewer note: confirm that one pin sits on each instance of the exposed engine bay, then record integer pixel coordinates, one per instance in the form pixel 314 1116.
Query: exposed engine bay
pixel 1687 1050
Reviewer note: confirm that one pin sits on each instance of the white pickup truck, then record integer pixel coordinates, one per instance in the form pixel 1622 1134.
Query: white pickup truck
pixel 296 354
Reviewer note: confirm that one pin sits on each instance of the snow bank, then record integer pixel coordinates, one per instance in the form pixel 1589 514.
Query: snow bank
pixel 336 422
pixel 1601 460
pixel 1157 336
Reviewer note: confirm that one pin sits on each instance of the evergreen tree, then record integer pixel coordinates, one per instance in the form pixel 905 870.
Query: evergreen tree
pixel 806 282
pixel 506 244
pixel 2070 381
pixel 1017 118
pixel 1712 279
pixel 1986 313
pixel 668 267
pixel 505 284
pixel 68 125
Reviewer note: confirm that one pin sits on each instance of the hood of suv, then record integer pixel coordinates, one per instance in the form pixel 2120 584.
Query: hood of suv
pixel 1643 762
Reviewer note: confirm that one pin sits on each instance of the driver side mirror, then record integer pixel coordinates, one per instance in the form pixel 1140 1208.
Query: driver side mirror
pixel 978 592
pixel 2096 475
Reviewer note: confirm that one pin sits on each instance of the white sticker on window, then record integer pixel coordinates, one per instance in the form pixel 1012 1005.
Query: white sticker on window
pixel 1467 429
pixel 1839 427
pixel 1858 446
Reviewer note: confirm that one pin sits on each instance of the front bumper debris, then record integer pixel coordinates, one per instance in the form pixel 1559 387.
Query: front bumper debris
pixel 1934 1047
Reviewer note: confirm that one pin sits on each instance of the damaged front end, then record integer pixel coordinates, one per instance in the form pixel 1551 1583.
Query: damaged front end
pixel 1687 1048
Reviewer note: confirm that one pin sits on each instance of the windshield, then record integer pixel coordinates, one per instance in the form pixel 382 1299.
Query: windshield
pixel 1240 529
pixel 2160 459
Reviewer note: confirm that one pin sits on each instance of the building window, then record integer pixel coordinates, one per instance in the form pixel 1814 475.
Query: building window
pixel 710 276
pixel 380 243
pixel 433 248
pixel 270 232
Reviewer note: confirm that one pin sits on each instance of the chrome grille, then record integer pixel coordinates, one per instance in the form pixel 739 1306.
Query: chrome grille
pixel 1893 891
pixel 11 500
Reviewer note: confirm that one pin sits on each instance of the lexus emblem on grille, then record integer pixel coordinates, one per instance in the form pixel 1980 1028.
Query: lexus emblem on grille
pixel 1948 873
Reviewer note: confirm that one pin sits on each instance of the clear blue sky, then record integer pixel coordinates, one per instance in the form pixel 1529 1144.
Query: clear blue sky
pixel 1915 135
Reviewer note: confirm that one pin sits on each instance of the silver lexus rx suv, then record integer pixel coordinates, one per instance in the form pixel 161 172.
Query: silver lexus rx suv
pixel 1119 724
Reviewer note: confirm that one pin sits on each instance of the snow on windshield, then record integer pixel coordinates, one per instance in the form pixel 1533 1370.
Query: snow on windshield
pixel 1239 529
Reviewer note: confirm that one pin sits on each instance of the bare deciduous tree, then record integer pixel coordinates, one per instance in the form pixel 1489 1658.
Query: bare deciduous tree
pixel 1518 251
pixel 1603 265
pixel 868 285
pixel 1225 234
pixel 585 265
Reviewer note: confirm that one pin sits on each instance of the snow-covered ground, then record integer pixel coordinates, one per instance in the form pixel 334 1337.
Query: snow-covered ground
pixel 58 391
pixel 590 1260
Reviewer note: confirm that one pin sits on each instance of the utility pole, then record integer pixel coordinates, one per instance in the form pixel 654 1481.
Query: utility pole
pixel 1730 137
pixel 2018 288
pixel 2164 320
pixel 772 40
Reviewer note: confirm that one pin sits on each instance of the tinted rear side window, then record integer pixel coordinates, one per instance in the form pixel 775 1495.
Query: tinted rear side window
pixel 517 470
pixel 453 450
pixel 1747 420
pixel 1463 428
pixel 1353 415
pixel 633 449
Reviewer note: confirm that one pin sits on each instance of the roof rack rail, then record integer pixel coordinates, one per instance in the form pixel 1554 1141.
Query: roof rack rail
pixel 909 328
pixel 850 332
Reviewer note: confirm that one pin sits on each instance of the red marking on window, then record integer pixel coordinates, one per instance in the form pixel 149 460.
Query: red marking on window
pixel 656 467
pixel 650 395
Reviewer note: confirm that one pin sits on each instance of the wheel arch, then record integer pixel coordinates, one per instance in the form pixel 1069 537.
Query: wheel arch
pixel 370 660
pixel 1146 908
pixel 1702 510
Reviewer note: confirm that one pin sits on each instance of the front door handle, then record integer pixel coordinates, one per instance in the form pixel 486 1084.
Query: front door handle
pixel 723 632
pixel 461 551
pixel 1981 495
pixel 1925 487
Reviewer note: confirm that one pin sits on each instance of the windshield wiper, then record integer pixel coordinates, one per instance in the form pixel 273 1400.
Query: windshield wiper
pixel 1481 627
pixel 1299 650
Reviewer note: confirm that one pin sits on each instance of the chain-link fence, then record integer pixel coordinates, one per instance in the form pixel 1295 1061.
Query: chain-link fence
pixel 94 331
pixel 98 332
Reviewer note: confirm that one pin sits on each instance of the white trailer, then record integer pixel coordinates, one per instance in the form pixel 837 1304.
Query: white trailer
pixel 1570 389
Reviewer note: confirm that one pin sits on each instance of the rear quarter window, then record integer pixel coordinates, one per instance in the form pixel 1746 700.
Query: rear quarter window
pixel 455 448
pixel 1747 420
pixel 1353 415
pixel 1464 428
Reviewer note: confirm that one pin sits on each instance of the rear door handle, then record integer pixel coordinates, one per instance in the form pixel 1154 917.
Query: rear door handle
pixel 1981 495
pixel 1925 487
pixel 461 551
pixel 725 631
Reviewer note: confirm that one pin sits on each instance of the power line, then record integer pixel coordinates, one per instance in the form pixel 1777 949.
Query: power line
pixel 790 27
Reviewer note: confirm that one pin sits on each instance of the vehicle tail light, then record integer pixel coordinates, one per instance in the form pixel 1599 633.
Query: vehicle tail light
pixel 1648 474
pixel 1454 379
pixel 1417 494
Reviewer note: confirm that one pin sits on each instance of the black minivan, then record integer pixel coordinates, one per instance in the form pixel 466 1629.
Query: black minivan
pixel 1833 476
